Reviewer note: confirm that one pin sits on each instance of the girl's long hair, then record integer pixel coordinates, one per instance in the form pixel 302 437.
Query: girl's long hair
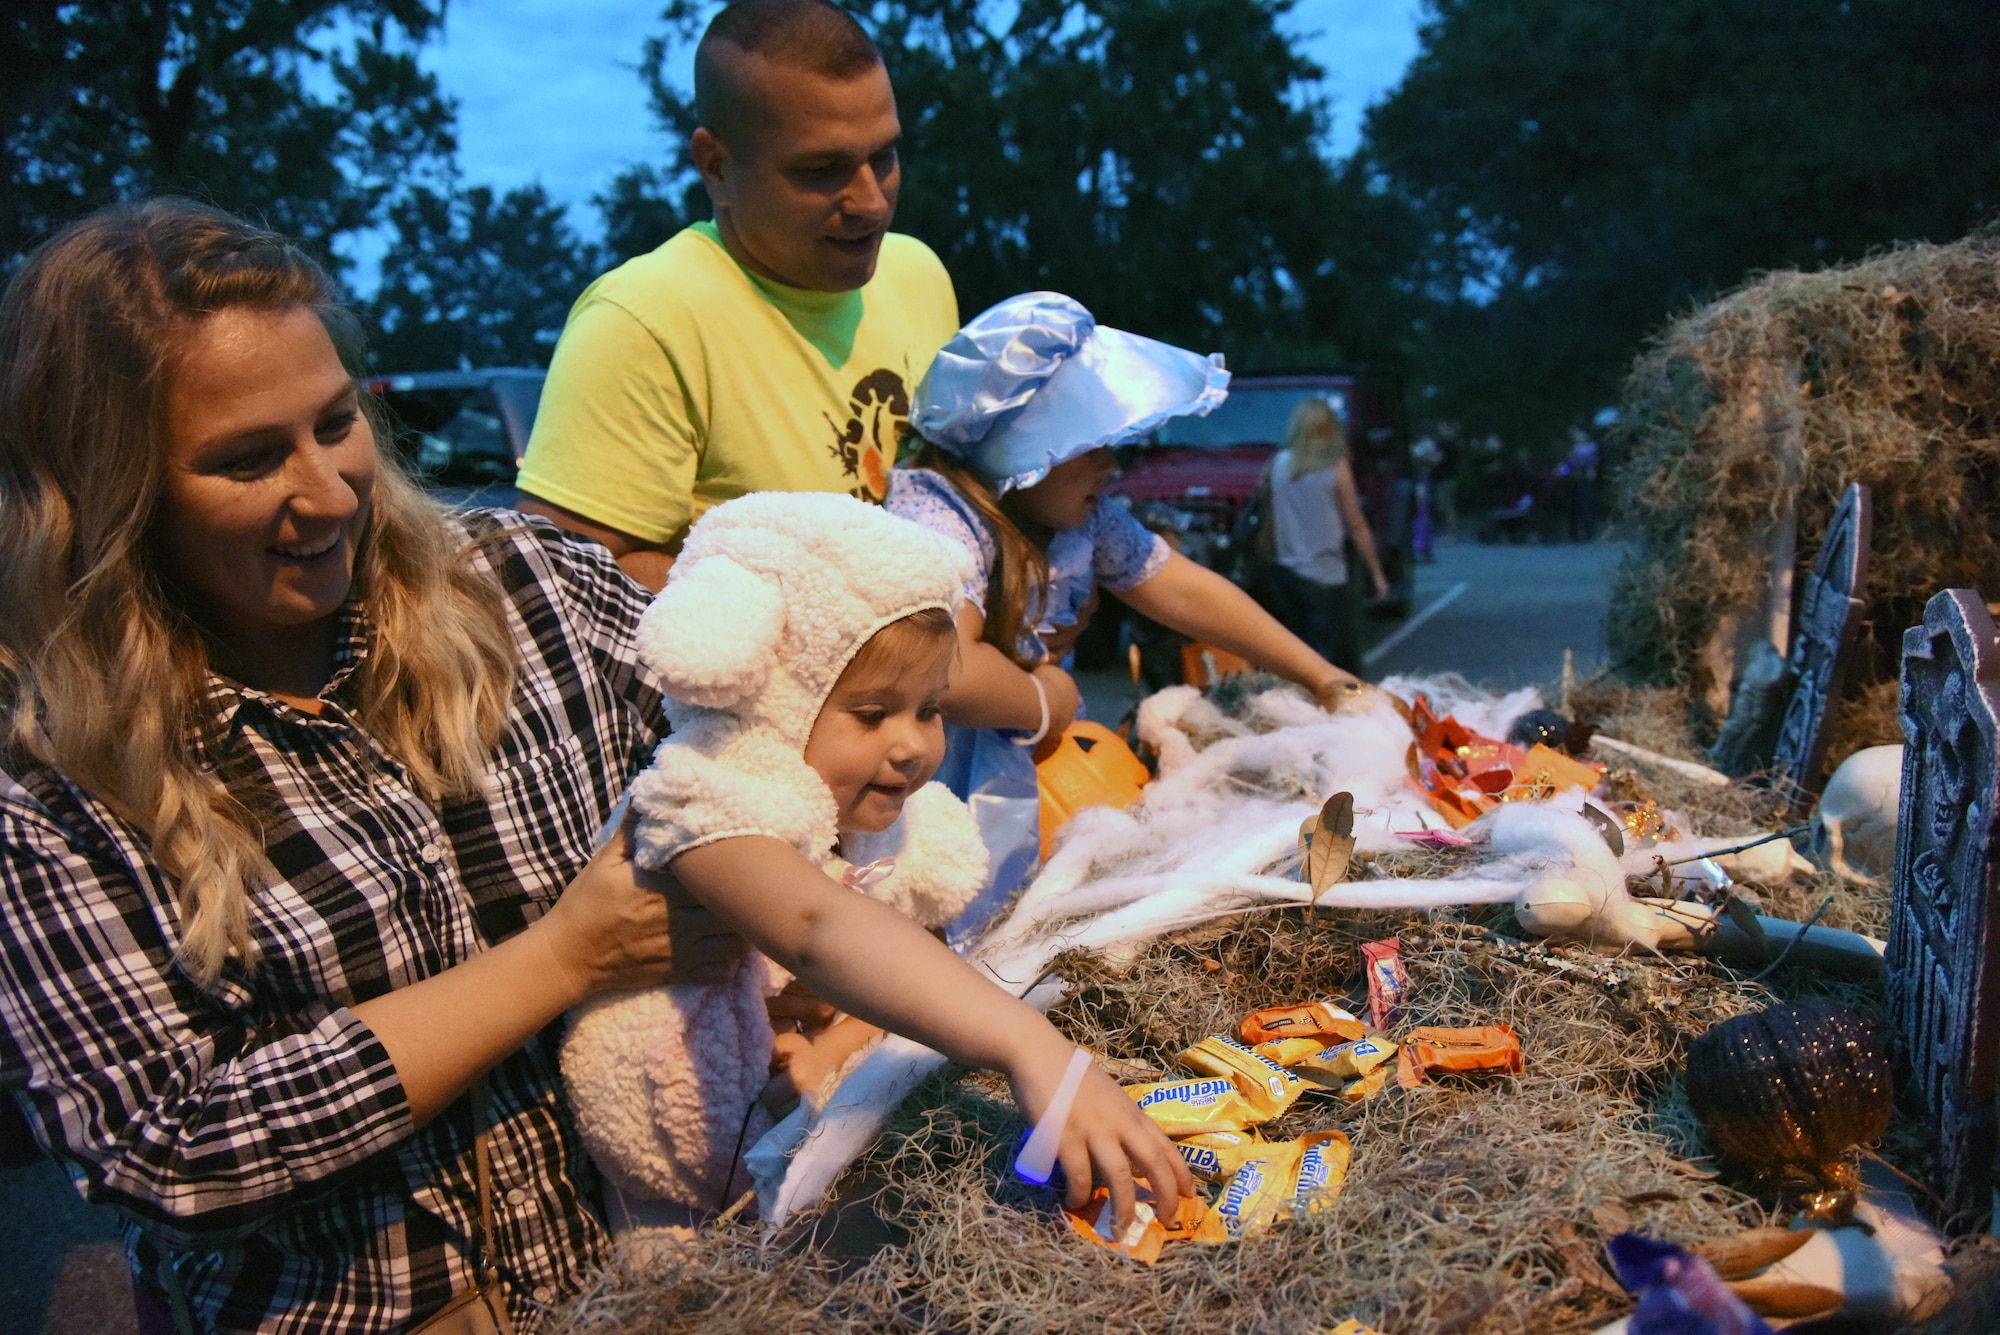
pixel 1019 580
pixel 1316 437
pixel 101 667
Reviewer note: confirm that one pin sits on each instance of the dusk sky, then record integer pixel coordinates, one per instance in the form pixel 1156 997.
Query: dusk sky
pixel 546 91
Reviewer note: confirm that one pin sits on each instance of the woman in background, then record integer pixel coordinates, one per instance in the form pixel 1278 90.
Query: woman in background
pixel 1315 509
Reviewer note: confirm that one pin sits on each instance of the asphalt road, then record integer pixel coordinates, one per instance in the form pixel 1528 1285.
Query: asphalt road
pixel 1500 616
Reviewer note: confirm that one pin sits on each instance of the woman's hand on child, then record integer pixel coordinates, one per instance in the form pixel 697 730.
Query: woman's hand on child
pixel 797 1004
pixel 619 926
pixel 1106 1137
pixel 794 1073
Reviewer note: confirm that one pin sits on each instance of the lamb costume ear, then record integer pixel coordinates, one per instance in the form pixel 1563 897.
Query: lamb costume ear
pixel 713 632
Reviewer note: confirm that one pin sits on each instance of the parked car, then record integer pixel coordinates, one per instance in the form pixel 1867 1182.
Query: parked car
pixel 1207 467
pixel 463 432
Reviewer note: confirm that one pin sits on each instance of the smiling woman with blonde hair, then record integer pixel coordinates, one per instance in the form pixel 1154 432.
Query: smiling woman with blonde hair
pixel 299 778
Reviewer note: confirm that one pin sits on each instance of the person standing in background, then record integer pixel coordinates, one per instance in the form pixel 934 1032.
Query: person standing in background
pixel 772 349
pixel 1315 510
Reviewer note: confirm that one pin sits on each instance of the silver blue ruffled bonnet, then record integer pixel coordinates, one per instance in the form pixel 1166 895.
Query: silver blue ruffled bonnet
pixel 1035 380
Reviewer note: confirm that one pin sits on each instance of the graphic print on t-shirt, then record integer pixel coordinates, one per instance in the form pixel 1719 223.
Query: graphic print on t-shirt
pixel 878 414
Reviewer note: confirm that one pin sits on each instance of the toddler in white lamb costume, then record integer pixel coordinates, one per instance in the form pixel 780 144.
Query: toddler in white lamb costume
pixel 773 598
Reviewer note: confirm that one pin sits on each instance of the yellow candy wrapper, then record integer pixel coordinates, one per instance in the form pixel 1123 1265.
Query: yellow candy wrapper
pixel 1260 1191
pixel 1216 1155
pixel 1269 1087
pixel 1312 1019
pixel 1368 1086
pixel 1345 1062
pixel 1191 1107
pixel 1353 1327
pixel 1322 1169
pixel 1289 1052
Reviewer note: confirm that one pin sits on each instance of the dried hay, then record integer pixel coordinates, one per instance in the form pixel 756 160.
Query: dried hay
pixel 1471 1206
pixel 1898 356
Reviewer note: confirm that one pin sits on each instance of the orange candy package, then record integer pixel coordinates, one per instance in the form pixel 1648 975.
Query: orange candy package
pixel 1312 1019
pixel 1147 1233
pixel 1489 1048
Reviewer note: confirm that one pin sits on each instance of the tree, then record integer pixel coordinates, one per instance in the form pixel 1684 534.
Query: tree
pixel 1158 159
pixel 307 114
pixel 1584 169
pixel 472 279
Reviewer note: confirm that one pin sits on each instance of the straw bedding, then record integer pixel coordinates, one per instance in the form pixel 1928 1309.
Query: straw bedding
pixel 1896 358
pixel 1471 1206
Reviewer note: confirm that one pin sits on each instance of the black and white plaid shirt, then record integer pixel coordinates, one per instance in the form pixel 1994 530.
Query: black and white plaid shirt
pixel 253 1136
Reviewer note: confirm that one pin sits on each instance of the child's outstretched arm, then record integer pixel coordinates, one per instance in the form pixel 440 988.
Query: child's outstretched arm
pixel 989 691
pixel 873 962
pixel 1195 601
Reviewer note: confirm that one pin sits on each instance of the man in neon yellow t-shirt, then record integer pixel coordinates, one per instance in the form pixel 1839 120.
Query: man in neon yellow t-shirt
pixel 774 349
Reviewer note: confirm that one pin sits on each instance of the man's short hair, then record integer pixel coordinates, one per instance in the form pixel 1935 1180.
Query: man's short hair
pixel 812 35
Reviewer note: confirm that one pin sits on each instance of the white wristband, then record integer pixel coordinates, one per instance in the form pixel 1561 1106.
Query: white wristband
pixel 1041 694
pixel 1037 1160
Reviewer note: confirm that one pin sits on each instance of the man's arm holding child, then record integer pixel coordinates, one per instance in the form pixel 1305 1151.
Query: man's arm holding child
pixel 880 966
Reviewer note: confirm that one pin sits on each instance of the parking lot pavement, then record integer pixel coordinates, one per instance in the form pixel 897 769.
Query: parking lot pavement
pixel 61 1266
pixel 1504 614
pixel 1500 616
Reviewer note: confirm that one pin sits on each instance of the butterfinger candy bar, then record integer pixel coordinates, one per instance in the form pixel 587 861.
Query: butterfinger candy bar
pixel 1142 1238
pixel 1312 1019
pixel 1214 1155
pixel 1346 1061
pixel 1367 1087
pixel 1269 1087
pixel 1289 1052
pixel 1260 1191
pixel 1386 981
pixel 1191 1107
pixel 1322 1169
pixel 1491 1048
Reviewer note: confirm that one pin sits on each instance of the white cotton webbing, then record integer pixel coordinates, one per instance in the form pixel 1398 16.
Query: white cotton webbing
pixel 800 1158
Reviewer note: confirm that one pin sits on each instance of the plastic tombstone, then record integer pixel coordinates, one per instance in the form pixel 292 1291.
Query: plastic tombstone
pixel 1829 613
pixel 1943 983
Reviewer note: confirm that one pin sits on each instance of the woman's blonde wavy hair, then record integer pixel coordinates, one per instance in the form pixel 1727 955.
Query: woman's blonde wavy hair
pixel 1316 437
pixel 101 665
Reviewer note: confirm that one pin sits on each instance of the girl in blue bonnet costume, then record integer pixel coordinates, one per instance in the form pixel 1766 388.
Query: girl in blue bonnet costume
pixel 1017 417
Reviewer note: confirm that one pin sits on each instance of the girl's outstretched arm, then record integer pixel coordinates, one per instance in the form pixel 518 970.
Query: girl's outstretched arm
pixel 1196 601
pixel 874 963
pixel 989 691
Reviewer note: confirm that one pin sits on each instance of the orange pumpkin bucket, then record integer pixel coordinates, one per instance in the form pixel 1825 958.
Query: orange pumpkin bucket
pixel 1090 767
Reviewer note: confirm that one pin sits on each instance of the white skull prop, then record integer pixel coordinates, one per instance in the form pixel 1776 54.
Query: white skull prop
pixel 1854 830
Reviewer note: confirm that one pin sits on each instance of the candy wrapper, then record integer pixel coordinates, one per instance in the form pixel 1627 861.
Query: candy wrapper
pixel 1353 1327
pixel 1283 1178
pixel 1215 1156
pixel 1492 1048
pixel 1257 1193
pixel 1192 1107
pixel 1386 981
pixel 1322 1170
pixel 1268 1087
pixel 1348 1061
pixel 1367 1087
pixel 1148 1231
pixel 1312 1019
